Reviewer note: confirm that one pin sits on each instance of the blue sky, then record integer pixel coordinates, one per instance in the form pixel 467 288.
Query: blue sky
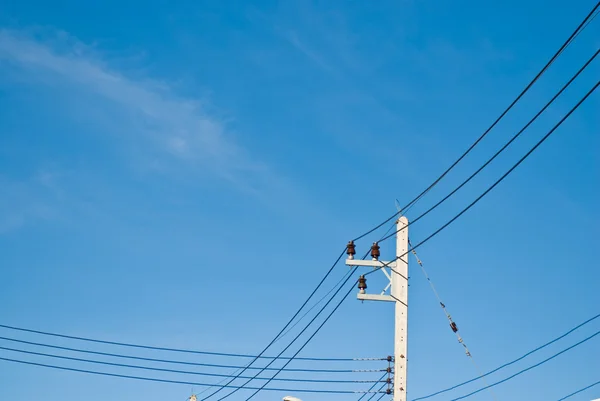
pixel 183 175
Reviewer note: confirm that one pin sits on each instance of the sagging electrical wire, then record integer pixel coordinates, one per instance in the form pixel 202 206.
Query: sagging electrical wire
pixel 581 390
pixel 489 189
pixel 186 372
pixel 373 395
pixel 178 362
pixel 330 291
pixel 387 382
pixel 179 349
pixel 593 318
pixel 528 368
pixel 348 276
pixel 307 341
pixel 453 325
pixel 153 379
pixel 586 21
pixel 289 359
pixel 506 145
pixel 314 306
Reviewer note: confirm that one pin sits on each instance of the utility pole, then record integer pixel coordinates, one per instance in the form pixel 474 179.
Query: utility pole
pixel 397 273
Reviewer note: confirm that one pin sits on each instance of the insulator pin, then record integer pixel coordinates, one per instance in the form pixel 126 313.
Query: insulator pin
pixel 375 254
pixel 362 284
pixel 350 250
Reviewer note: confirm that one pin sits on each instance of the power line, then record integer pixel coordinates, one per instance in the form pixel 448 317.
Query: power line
pixel 528 368
pixel 329 292
pixel 562 120
pixel 348 276
pixel 373 395
pixel 182 350
pixel 513 361
pixel 590 16
pixel 583 24
pixel 306 342
pixel 184 362
pixel 453 325
pixel 187 372
pixel 580 391
pixel 374 385
pixel 299 334
pixel 314 306
pixel 152 379
pixel 506 145
pixel 278 370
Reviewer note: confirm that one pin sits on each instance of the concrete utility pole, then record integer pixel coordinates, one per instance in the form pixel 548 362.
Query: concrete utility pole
pixel 397 273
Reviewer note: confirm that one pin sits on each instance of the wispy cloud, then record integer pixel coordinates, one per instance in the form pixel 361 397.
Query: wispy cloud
pixel 179 127
pixel 317 58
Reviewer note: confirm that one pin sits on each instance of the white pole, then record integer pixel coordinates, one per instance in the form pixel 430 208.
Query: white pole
pixel 399 292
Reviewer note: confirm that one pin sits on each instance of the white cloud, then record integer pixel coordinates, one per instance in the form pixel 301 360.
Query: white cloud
pixel 172 135
pixel 179 126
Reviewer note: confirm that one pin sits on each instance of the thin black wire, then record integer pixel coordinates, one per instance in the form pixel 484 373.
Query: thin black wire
pixel 506 145
pixel 152 379
pixel 571 38
pixel 315 305
pixel 187 372
pixel 306 342
pixel 381 396
pixel 580 391
pixel 329 292
pixel 511 362
pixel 310 338
pixel 373 386
pixel 528 368
pixel 256 357
pixel 290 344
pixel 373 395
pixel 562 120
pixel 299 334
pixel 181 362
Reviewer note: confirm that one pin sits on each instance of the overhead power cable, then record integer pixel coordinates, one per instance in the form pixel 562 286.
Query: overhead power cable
pixel 528 368
pixel 374 394
pixel 186 372
pixel 375 385
pixel 502 149
pixel 308 340
pixel 279 370
pixel 299 334
pixel 314 306
pixel 329 292
pixel 179 362
pixel 152 379
pixel 484 193
pixel 513 361
pixel 566 44
pixel 181 350
pixel 453 325
pixel 544 138
pixel 579 391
